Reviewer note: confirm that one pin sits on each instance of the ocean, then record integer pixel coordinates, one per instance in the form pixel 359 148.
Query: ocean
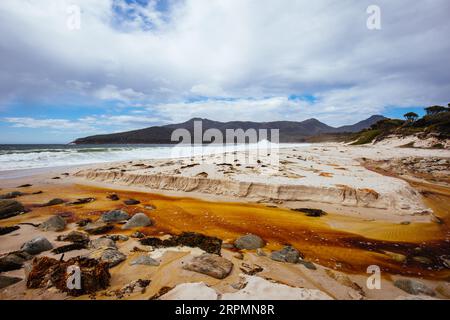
pixel 23 156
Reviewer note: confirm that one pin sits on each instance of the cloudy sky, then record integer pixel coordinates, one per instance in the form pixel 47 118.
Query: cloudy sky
pixel 137 63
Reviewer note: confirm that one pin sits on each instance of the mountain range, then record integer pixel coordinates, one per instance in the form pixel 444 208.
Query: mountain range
pixel 290 131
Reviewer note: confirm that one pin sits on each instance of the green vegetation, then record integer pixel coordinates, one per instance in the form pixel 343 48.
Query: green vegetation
pixel 435 123
pixel 367 136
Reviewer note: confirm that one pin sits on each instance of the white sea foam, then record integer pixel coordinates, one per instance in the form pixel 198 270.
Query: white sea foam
pixel 30 157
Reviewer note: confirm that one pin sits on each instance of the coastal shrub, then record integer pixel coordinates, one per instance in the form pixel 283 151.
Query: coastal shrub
pixel 367 137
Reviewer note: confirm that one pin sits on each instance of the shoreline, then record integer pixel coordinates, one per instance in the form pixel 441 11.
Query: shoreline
pixel 339 245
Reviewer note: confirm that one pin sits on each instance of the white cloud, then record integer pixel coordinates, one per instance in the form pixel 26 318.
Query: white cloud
pixel 243 49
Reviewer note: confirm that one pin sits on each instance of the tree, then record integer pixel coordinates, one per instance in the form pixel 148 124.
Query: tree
pixel 435 110
pixel 411 116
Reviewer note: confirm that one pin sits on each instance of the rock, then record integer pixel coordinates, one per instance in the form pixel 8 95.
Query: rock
pixel 260 252
pixel 189 239
pixel 138 235
pixel 6 230
pixel 98 227
pixel 115 216
pixel 36 246
pixel 53 202
pixel 10 208
pixel 145 260
pixel 138 220
pixel 83 222
pixel 239 256
pixel 250 269
pixel 311 212
pixel 110 256
pixel 307 264
pixel 405 223
pixel 211 265
pixel 25 185
pixel 81 201
pixel 11 195
pixel 257 288
pixel 287 254
pixel 249 242
pixel 55 223
pixel 113 197
pixel 413 287
pixel 47 272
pixel 150 207
pixel 131 202
pixel 102 243
pixel 13 261
pixel 116 237
pixel 6 281
pixel 74 236
pixel 444 289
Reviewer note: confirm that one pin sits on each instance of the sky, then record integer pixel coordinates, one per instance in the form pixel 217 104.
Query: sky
pixel 127 64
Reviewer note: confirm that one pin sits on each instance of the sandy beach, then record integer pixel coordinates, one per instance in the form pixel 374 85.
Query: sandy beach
pixel 338 209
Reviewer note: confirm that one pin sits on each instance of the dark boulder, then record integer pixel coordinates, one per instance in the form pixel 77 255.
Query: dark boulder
pixel 10 208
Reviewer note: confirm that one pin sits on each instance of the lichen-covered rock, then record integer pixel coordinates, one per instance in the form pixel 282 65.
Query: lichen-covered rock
pixel 211 265
pixel 115 216
pixel 74 236
pixel 110 256
pixel 145 260
pixel 102 243
pixel 98 227
pixel 287 254
pixel 55 223
pixel 37 245
pixel 136 221
pixel 249 242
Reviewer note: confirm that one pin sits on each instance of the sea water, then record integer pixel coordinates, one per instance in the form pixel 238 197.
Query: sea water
pixel 19 157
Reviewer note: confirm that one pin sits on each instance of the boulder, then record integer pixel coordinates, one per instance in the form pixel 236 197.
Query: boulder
pixel 136 221
pixel 74 236
pixel 53 202
pixel 6 230
pixel 13 261
pixel 115 216
pixel 36 246
pixel 55 223
pixel 10 208
pixel 110 256
pixel 249 242
pixel 98 227
pixel 414 287
pixel 311 212
pixel 102 243
pixel 307 264
pixel 145 260
pixel 287 254
pixel 11 195
pixel 81 201
pixel 6 281
pixel 131 202
pixel 211 265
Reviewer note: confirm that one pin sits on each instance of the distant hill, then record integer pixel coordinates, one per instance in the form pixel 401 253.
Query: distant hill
pixel 290 131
